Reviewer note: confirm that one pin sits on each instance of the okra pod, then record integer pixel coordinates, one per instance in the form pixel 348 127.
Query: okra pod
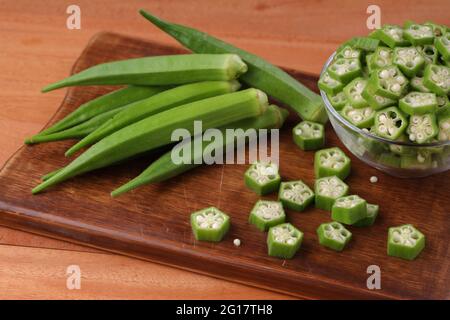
pixel 160 102
pixel 261 74
pixel 158 70
pixel 155 131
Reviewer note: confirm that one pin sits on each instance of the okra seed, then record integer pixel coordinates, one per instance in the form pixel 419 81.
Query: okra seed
pixel 374 179
pixel 237 242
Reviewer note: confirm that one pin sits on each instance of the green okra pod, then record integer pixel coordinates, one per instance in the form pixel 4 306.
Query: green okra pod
pixel 155 131
pixel 160 102
pixel 158 70
pixel 261 74
pixel 164 168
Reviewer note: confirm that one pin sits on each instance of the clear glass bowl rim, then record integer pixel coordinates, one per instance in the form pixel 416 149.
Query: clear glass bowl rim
pixel 354 128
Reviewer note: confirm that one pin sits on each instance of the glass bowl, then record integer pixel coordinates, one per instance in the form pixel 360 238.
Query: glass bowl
pixel 399 159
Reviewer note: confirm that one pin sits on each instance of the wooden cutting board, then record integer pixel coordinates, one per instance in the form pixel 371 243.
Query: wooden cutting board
pixel 152 222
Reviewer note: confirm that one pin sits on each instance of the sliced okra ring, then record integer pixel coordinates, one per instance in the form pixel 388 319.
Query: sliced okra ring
pixel 333 235
pixel 345 70
pixel 353 92
pixel 309 135
pixel 266 214
pixel 329 85
pixel 443 105
pixel 388 82
pixel 418 103
pixel 366 44
pixel 409 60
pixel 376 101
pixel 348 53
pixel 361 117
pixel 295 195
pixel 390 123
pixel 262 178
pixel 419 34
pixel 349 209
pixel 372 213
pixel 327 190
pixel 210 224
pixel 331 162
pixel 429 53
pixel 338 101
pixel 392 36
pixel 438 30
pixel 283 241
pixel 422 127
pixel 437 79
pixel 405 242
pixel 381 58
pixel 442 44
pixel 417 85
pixel 444 129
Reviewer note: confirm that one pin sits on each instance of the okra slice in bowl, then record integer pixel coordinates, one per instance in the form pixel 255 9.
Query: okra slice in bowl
pixel 283 241
pixel 408 60
pixel 417 84
pixel 353 92
pixel 382 57
pixel 418 103
pixel 338 100
pixel 429 53
pixel 360 117
pixel 444 128
pixel 442 44
pixel 345 70
pixel 333 235
pixel 372 213
pixel 392 36
pixel 266 214
pixel 262 177
pixel 329 85
pixel 331 162
pixel 327 190
pixel 437 79
pixel 375 100
pixel 295 195
pixel 419 34
pixel 210 224
pixel 349 209
pixel 309 135
pixel 390 123
pixel 422 127
pixel 388 82
pixel 405 242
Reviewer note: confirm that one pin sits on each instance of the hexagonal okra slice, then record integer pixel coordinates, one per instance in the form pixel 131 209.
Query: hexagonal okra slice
pixel 442 44
pixel 331 162
pixel 329 85
pixel 422 127
pixel 266 214
pixel 418 103
pixel 338 101
pixel 388 82
pixel 376 101
pixel 348 53
pixel 419 34
pixel 361 117
pixel 349 209
pixel 345 70
pixel 353 92
pixel 390 123
pixel 437 79
pixel 327 190
pixel 444 128
pixel 409 60
pixel 381 58
pixel 210 224
pixel 392 36
pixel 333 235
pixel 417 85
pixel 405 242
pixel 429 53
pixel 262 177
pixel 372 213
pixel 309 135
pixel 295 195
pixel 284 240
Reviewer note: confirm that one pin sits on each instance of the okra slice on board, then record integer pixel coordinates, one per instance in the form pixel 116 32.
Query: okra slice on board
pixel 327 190
pixel 417 85
pixel 353 92
pixel 405 242
pixel 295 195
pixel 390 123
pixel 382 57
pixel 349 209
pixel 309 135
pixel 360 117
pixel 408 60
pixel 422 127
pixel 388 82
pixel 262 177
pixel 442 44
pixel 210 224
pixel 261 74
pixel 158 70
pixel 372 213
pixel 418 103
pixel 392 36
pixel 376 101
pixel 437 79
pixel 329 85
pixel 429 53
pixel 156 131
pixel 331 162
pixel 266 214
pixel 283 241
pixel 345 70
pixel 419 34
pixel 333 235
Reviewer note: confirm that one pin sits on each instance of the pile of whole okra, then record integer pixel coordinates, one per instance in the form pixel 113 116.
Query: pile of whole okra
pixel 165 93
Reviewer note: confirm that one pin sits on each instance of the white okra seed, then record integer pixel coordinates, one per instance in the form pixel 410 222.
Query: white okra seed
pixel 237 242
pixel 374 179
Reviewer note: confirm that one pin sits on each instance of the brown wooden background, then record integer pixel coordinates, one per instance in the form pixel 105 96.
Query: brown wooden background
pixel 36 48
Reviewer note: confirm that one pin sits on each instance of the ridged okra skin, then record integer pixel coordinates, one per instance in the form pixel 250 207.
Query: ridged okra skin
pixel 262 178
pixel 158 71
pixel 266 214
pixel 372 214
pixel 309 135
pixel 210 224
pixel 405 242
pixel 327 190
pixel 283 241
pixel 349 209
pixel 333 235
pixel 160 102
pixel 295 195
pixel 261 74
pixel 155 131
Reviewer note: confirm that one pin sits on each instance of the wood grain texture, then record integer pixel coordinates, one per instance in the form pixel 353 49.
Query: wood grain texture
pixel 153 222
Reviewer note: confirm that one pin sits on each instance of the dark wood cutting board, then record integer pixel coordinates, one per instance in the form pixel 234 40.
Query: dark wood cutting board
pixel 152 222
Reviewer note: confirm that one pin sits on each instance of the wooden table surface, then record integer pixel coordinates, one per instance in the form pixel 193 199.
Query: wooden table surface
pixel 37 48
